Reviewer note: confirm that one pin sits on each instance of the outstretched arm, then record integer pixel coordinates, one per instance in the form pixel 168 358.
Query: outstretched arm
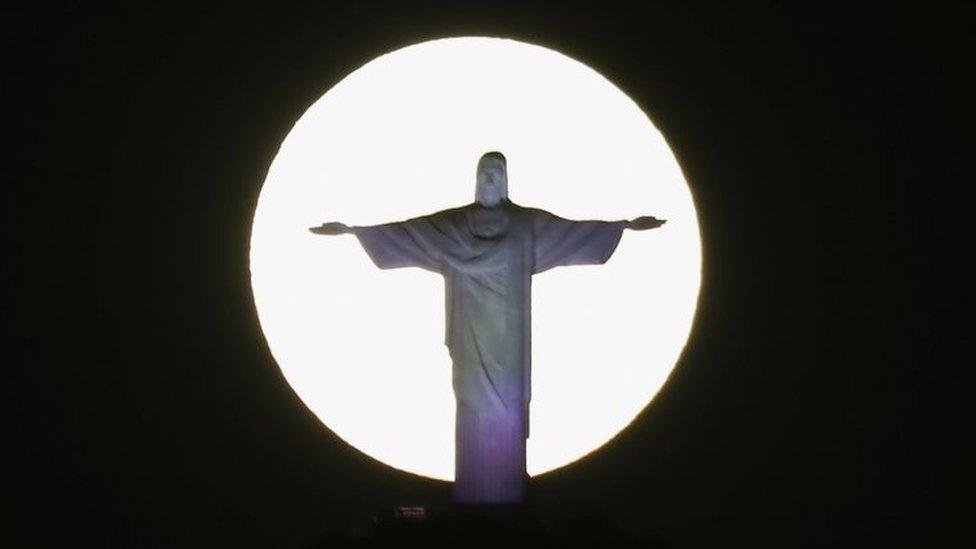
pixel 331 228
pixel 418 242
pixel 644 223
pixel 563 242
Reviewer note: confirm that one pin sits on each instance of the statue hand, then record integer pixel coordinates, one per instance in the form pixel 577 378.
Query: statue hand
pixel 331 228
pixel 645 222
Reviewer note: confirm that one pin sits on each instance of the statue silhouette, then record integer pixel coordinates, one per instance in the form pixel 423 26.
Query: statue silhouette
pixel 487 253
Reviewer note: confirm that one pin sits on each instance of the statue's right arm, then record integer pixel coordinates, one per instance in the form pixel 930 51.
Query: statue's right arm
pixel 331 228
pixel 410 243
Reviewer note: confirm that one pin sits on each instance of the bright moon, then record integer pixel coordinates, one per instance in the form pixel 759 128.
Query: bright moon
pixel 401 137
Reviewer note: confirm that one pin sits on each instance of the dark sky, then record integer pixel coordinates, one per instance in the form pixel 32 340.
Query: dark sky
pixel 147 410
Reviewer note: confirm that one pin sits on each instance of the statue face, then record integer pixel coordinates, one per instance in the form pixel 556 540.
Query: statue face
pixel 492 182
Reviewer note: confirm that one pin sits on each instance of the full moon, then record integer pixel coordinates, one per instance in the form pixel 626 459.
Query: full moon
pixel 400 137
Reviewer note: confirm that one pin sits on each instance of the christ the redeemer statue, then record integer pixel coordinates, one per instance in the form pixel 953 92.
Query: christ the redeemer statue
pixel 487 253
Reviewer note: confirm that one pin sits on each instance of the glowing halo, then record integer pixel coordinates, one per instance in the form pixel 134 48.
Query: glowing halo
pixel 400 137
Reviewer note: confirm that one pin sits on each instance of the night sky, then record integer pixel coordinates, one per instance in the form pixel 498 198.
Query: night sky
pixel 147 410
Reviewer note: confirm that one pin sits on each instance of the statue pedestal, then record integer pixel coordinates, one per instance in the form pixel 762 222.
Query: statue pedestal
pixel 489 469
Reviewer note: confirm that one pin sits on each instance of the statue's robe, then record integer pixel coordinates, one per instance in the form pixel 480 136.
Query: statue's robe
pixel 487 257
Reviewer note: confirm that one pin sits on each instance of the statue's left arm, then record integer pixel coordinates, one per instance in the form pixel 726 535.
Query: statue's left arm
pixel 561 242
pixel 644 223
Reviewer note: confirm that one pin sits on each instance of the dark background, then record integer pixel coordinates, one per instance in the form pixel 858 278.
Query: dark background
pixel 147 411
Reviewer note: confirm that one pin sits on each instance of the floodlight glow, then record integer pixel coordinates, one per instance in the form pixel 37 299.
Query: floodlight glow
pixel 401 137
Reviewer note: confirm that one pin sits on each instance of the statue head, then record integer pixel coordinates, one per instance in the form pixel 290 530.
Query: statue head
pixel 492 180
